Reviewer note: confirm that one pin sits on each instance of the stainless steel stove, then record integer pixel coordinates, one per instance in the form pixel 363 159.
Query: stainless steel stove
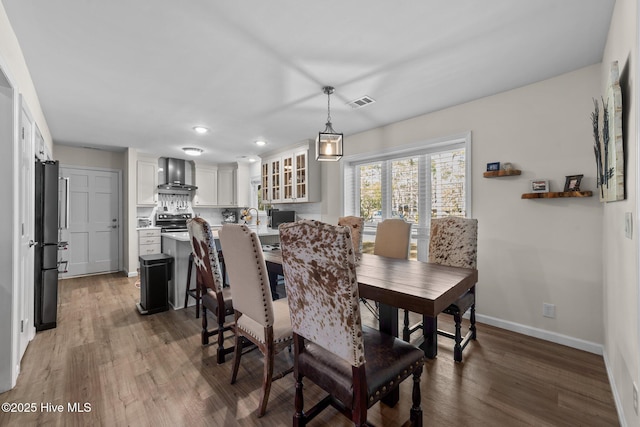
pixel 172 223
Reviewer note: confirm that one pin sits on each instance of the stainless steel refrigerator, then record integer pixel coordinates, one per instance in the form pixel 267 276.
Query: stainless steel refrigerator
pixel 46 248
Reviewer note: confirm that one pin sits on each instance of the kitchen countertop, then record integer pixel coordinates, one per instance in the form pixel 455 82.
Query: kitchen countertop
pixel 184 236
pixel 147 228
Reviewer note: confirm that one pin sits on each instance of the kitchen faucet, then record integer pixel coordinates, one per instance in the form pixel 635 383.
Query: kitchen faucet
pixel 247 213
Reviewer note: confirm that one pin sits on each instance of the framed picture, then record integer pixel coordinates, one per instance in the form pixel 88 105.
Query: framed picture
pixel 540 186
pixel 572 183
pixel 495 166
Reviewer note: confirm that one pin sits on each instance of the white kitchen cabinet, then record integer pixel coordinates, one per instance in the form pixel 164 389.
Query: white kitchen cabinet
pixel 149 241
pixel 207 183
pixel 273 188
pixel 291 177
pixel 227 186
pixel 147 180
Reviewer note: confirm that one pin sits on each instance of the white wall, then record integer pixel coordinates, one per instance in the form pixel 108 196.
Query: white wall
pixel 529 251
pixel 88 157
pixel 13 64
pixel 620 255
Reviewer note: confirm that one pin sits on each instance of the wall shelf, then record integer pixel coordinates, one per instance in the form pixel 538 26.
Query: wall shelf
pixel 555 195
pixel 495 174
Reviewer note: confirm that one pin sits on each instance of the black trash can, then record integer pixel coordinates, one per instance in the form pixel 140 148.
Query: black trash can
pixel 155 273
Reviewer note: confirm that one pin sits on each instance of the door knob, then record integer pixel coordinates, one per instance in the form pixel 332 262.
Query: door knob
pixel 32 243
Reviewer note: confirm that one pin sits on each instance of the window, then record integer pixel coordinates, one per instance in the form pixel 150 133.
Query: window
pixel 417 183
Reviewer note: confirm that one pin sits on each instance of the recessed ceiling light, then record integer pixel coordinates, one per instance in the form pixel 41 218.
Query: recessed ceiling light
pixel 200 129
pixel 252 160
pixel 261 143
pixel 192 151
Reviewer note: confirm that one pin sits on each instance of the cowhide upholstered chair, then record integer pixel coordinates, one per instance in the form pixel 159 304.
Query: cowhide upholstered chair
pixel 454 242
pixel 356 224
pixel 214 296
pixel 258 318
pixel 355 364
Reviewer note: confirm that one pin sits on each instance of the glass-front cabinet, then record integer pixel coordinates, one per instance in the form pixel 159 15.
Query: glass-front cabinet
pixel 294 173
pixel 286 178
pixel 275 180
pixel 265 179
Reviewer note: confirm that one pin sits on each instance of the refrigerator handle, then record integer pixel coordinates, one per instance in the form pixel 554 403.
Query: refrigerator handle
pixel 66 202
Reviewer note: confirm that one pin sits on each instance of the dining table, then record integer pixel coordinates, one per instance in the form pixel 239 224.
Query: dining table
pixel 420 287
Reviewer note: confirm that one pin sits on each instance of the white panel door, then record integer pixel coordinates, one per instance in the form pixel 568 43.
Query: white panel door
pixel 94 221
pixel 26 212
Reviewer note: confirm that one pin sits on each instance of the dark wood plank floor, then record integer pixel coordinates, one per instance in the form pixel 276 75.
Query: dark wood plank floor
pixel 138 370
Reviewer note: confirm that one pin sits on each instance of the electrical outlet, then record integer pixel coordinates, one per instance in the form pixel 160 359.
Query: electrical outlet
pixel 635 398
pixel 548 310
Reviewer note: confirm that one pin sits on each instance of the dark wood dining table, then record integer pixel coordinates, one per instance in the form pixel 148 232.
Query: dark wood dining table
pixel 420 287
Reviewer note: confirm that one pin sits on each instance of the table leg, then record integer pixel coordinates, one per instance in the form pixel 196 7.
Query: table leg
pixel 388 323
pixel 274 270
pixel 430 330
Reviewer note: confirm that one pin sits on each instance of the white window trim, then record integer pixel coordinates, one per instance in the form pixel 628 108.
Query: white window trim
pixel 419 149
pixel 462 140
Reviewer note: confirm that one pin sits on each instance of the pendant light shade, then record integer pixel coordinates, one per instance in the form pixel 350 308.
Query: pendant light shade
pixel 329 142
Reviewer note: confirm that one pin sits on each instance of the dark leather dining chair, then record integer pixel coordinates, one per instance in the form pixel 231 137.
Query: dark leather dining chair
pixel 258 319
pixel 213 295
pixel 357 366
pixel 453 242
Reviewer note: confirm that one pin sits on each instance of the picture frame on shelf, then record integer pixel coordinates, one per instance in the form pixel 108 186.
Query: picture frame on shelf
pixel 539 185
pixel 495 166
pixel 572 183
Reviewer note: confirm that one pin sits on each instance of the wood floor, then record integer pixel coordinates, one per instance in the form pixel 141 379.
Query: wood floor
pixel 138 370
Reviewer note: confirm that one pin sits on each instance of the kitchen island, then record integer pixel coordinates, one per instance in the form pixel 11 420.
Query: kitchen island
pixel 179 247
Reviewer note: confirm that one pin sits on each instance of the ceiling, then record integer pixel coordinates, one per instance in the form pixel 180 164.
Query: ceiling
pixel 120 73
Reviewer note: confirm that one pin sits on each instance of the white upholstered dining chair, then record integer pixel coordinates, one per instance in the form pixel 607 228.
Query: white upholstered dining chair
pixel 258 318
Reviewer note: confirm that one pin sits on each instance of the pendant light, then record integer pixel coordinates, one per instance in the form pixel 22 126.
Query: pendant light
pixel 329 142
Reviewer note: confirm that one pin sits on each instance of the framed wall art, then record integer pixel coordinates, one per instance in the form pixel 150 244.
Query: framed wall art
pixel 540 186
pixel 495 166
pixel 609 145
pixel 572 183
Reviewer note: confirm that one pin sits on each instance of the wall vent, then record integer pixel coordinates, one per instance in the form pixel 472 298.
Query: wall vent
pixel 361 102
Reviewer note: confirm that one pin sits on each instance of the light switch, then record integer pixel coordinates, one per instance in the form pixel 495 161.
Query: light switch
pixel 628 225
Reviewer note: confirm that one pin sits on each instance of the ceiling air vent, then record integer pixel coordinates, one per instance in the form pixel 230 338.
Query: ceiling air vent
pixel 361 102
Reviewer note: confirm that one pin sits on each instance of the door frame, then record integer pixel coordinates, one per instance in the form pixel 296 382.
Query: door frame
pixel 9 319
pixel 26 295
pixel 120 208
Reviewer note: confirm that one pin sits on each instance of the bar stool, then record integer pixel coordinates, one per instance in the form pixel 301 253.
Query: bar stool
pixel 193 292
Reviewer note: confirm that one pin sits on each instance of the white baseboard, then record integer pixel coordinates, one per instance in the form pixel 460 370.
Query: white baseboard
pixel 132 274
pixel 614 390
pixel 589 346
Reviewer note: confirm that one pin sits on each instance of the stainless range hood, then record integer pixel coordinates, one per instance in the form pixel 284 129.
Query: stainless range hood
pixel 177 176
